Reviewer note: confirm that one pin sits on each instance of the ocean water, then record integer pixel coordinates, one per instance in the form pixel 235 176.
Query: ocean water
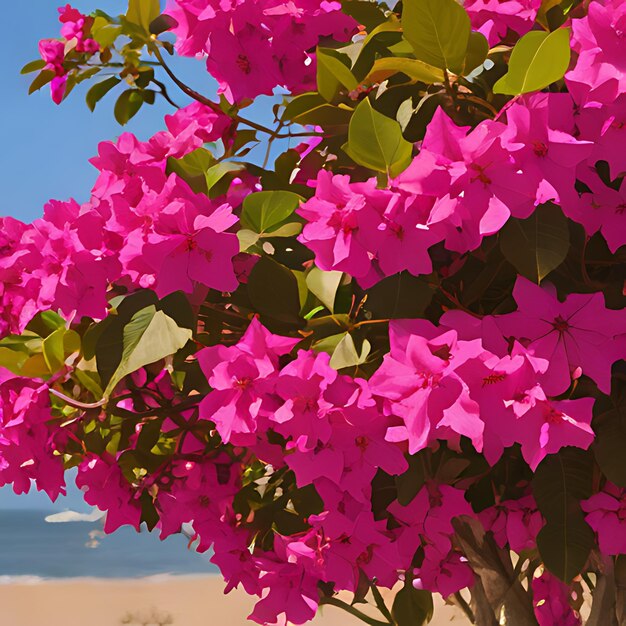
pixel 31 548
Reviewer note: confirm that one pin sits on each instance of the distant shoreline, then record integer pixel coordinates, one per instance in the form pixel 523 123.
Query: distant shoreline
pixel 25 579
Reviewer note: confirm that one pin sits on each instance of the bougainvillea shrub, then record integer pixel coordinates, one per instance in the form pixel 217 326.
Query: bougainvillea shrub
pixel 394 358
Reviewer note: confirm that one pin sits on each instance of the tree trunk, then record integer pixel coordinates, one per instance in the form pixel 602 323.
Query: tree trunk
pixel 498 583
pixel 603 607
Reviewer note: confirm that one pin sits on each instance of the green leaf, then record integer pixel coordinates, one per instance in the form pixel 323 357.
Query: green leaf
pixel 150 336
pixel 333 73
pixel 438 30
pixel 311 108
pixel 375 141
pixel 565 546
pixel 216 172
pixel 43 78
pixel 410 483
pixel 33 66
pixel 412 607
pixel 127 106
pixel 193 168
pixel 560 482
pixel 273 291
pixel 290 229
pixel 538 60
pixel 476 53
pixel 53 351
pixel 247 239
pixel 265 211
pixel 12 359
pixel 399 296
pixel 367 12
pixel 104 32
pixel 51 320
pixel 35 367
pixel 537 245
pixel 301 104
pixel 143 12
pixel 162 23
pixel 328 344
pixel 99 90
pixel 416 70
pixel 346 355
pixel 610 443
pixel 105 340
pixel 90 381
pixel 324 285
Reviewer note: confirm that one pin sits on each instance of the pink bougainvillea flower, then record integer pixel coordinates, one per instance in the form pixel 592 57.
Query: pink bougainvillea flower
pixel 577 333
pixel 444 573
pixel 200 252
pixel 242 63
pixel 514 523
pixel 474 178
pixel 337 216
pixel 27 437
pixel 605 126
pixel 543 124
pixel 550 426
pixel 598 38
pixel 551 602
pixel 289 594
pixel 606 514
pixel 198 120
pixel 495 18
pixel 237 375
pixel 600 208
pixel 419 385
pixel 104 486
pixel 505 390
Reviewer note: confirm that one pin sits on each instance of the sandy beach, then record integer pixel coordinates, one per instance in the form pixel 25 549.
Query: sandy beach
pixel 188 601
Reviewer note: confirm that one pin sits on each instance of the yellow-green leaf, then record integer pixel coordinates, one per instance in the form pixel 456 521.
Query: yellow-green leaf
pixel 376 141
pixel 538 60
pixel 438 31
pixel 333 73
pixel 416 70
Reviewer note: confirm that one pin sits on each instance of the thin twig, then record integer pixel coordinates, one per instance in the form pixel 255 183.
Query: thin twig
pixel 465 607
pixel 192 93
pixel 76 403
pixel 380 603
pixel 164 93
pixel 350 609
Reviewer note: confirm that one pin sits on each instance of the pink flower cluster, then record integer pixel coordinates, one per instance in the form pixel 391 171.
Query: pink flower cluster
pixel 551 602
pixel 28 440
pixel 336 440
pixel 606 514
pixel 253 47
pixel 141 228
pixel 461 187
pixel 367 232
pixel 597 84
pixel 497 18
pixel 75 31
pixel 491 379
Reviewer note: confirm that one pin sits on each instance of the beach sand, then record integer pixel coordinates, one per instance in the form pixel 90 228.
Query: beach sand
pixel 190 601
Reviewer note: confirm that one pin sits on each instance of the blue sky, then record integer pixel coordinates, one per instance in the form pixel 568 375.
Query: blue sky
pixel 46 147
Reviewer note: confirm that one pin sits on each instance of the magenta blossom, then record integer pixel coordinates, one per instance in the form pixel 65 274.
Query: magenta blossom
pixel 551 602
pixel 239 377
pixel 577 335
pixel 606 514
pixel 495 18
